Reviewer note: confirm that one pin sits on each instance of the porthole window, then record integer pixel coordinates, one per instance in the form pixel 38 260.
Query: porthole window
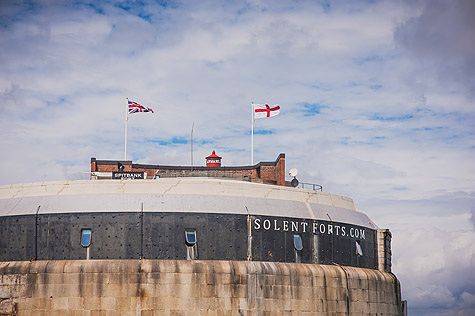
pixel 190 237
pixel 359 251
pixel 298 242
pixel 86 237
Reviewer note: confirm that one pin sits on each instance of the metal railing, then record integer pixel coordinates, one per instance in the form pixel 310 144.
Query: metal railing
pixel 315 187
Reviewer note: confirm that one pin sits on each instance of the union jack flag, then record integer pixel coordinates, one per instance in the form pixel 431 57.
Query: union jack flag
pixel 134 107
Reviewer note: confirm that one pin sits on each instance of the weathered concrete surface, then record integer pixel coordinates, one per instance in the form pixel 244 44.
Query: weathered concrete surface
pixel 196 195
pixel 169 287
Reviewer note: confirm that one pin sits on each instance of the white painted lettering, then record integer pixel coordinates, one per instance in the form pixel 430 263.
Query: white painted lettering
pixel 337 228
pixel 286 226
pixel 310 227
pixel 322 228
pixel 295 226
pixel 266 224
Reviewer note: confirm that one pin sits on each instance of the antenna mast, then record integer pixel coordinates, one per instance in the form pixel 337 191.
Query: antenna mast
pixel 192 127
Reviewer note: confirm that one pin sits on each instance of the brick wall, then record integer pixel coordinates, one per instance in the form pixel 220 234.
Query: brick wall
pixel 263 172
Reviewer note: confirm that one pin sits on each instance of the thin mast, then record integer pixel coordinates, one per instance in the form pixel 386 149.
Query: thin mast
pixel 252 134
pixel 192 145
pixel 126 119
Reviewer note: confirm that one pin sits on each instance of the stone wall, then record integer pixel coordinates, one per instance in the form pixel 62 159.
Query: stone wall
pixel 174 287
pixel 384 250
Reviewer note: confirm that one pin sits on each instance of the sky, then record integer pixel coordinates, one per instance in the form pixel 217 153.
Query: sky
pixel 376 97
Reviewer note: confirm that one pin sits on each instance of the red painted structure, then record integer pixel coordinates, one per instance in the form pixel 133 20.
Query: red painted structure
pixel 213 160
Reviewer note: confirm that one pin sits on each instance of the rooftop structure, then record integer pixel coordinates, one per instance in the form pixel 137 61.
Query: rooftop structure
pixel 263 172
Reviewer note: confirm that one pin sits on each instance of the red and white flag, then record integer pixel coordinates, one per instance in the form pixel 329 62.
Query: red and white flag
pixel 265 110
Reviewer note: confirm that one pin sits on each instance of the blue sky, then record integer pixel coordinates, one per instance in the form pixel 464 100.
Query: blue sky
pixel 376 104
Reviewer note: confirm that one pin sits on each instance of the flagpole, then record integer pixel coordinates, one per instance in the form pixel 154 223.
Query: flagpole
pixel 252 134
pixel 126 119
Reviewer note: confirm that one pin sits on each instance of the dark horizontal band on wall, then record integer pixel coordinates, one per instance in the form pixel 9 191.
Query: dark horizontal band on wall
pixel 137 235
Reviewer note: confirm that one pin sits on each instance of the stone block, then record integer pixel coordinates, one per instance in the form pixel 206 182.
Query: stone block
pixel 133 278
pixel 71 278
pixel 116 278
pixel 239 291
pixel 4 290
pixel 130 289
pixel 75 303
pixel 108 303
pixel 79 313
pixel 223 303
pixel 331 306
pixel 177 313
pixel 242 303
pixel 223 290
pixel 166 278
pixel 147 289
pixel 113 290
pixel 58 312
pixel 198 278
pixel 58 290
pixel 170 303
pixel 92 303
pixel 114 313
pixel 207 291
pixel 372 296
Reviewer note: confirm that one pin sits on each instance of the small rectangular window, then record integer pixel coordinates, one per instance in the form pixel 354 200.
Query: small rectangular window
pixel 86 237
pixel 190 237
pixel 298 242
pixel 191 245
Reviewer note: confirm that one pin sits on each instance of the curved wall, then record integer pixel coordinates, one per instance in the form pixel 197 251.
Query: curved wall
pixel 233 220
pixel 152 235
pixel 175 287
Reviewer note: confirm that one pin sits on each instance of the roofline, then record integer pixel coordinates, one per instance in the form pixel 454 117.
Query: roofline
pixel 170 167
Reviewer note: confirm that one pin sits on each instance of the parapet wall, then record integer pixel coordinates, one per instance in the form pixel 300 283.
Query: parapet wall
pixel 180 287
pixel 263 172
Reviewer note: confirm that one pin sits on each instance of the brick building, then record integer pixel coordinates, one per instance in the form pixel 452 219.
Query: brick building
pixel 263 172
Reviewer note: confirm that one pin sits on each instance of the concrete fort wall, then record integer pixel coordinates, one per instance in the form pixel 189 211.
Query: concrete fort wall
pixel 180 287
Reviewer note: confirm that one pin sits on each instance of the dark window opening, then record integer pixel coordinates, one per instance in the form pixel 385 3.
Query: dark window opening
pixel 298 242
pixel 298 246
pixel 359 251
pixel 191 244
pixel 86 237
pixel 190 237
